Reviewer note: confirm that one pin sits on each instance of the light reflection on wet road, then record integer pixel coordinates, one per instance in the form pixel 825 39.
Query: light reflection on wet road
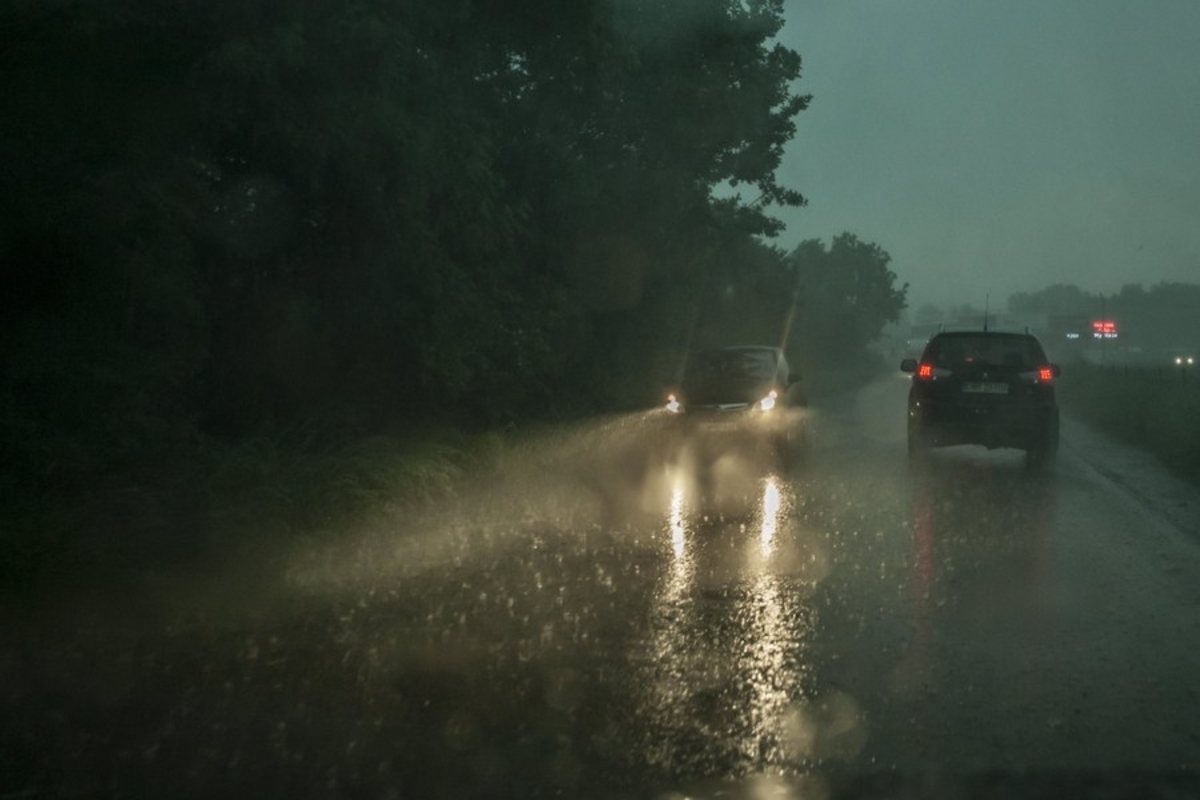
pixel 849 618
pixel 726 644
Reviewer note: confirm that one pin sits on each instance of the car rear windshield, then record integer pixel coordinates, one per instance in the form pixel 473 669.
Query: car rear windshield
pixel 993 350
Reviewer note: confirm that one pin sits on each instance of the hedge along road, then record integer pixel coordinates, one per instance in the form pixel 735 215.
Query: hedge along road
pixel 845 628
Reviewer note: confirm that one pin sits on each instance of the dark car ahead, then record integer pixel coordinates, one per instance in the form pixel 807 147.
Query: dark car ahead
pixel 740 397
pixel 983 387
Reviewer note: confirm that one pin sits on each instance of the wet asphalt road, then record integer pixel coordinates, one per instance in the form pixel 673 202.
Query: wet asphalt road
pixel 846 628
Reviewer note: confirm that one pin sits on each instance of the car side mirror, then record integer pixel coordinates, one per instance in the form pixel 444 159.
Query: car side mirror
pixel 908 365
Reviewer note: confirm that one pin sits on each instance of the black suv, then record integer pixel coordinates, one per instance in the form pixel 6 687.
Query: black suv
pixel 738 397
pixel 983 387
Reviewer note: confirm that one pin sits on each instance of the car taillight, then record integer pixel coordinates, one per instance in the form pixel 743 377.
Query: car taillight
pixel 928 372
pixel 1039 375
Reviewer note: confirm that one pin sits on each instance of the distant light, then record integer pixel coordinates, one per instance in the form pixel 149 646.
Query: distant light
pixel 1072 335
pixel 672 404
pixel 1104 329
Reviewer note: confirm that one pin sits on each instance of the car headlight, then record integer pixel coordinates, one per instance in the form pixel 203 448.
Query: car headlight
pixel 673 404
pixel 768 402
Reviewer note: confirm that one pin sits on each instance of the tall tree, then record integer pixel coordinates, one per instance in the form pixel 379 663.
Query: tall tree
pixel 232 215
pixel 845 296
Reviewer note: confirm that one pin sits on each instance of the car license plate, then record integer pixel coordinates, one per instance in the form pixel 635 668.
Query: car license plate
pixel 986 388
pixel 719 427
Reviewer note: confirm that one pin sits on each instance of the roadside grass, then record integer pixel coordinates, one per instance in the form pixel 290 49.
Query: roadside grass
pixel 335 502
pixel 220 500
pixel 1156 410
pixel 264 482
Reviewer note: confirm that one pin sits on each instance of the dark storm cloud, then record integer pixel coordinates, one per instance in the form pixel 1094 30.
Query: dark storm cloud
pixel 995 147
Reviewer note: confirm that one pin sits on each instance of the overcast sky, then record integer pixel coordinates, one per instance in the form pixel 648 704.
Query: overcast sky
pixel 993 146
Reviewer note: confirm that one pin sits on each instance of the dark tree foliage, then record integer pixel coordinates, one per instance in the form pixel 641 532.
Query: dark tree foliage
pixel 825 304
pixel 848 294
pixel 221 217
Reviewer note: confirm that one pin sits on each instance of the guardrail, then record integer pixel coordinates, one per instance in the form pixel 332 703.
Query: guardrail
pixel 1156 373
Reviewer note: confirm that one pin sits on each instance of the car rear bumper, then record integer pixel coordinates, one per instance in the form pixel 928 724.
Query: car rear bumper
pixel 1023 427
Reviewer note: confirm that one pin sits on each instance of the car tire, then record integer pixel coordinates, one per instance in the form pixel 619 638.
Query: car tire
pixel 800 445
pixel 1043 453
pixel 1038 457
pixel 782 452
pixel 918 450
pixel 773 453
pixel 918 443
